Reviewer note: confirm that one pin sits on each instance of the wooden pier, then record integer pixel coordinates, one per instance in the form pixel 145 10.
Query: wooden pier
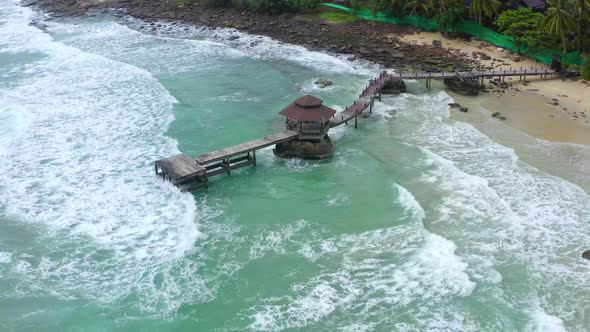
pixel 522 73
pixel 365 100
pixel 193 173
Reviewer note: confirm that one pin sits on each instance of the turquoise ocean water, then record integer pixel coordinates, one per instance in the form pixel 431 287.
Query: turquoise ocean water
pixel 418 223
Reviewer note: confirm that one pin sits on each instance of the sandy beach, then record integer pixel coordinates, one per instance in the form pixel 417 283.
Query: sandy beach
pixel 548 109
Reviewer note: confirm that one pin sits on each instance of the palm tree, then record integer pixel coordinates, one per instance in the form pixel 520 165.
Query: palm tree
pixel 558 20
pixel 580 12
pixel 484 7
pixel 418 6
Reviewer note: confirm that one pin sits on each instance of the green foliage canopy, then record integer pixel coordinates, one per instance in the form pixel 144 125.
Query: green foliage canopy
pixel 524 25
pixel 484 7
pixel 450 15
pixel 586 69
pixel 559 20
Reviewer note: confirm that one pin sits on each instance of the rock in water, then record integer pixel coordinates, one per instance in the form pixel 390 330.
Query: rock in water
pixel 322 83
pixel 394 86
pixel 495 114
pixel 586 254
pixel 305 149
pixel 466 87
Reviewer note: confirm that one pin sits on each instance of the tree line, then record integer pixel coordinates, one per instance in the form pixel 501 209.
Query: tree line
pixel 562 24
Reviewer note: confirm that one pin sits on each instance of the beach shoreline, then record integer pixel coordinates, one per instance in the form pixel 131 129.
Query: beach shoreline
pixel 540 125
pixel 548 109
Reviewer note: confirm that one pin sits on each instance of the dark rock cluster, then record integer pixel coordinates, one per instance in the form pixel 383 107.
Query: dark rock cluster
pixel 372 41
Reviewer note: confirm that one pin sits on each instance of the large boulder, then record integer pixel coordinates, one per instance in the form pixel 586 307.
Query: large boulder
pixel 586 254
pixel 305 149
pixel 322 82
pixel 466 87
pixel 394 86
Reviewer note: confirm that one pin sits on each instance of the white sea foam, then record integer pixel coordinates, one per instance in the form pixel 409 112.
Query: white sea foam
pixel 338 199
pixel 504 209
pixel 274 241
pixel 542 322
pixel 382 273
pixel 266 48
pixel 409 203
pixel 81 167
pixel 5 257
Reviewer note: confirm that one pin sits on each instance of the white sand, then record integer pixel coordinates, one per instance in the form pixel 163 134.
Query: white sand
pixel 529 109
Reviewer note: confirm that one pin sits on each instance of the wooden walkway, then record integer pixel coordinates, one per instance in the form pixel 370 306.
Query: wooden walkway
pixel 478 74
pixel 193 173
pixel 245 147
pixel 366 100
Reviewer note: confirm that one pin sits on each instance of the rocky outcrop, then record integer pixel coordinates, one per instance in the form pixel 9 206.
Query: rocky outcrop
pixel 466 87
pixel 459 107
pixel 394 86
pixel 375 42
pixel 498 116
pixel 305 149
pixel 322 83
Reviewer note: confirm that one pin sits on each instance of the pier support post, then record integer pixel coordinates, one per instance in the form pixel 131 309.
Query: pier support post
pixel 356 122
pixel 226 163
pixel 254 158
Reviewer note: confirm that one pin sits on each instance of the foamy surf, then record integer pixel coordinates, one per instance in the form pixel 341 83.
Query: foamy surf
pixel 305 245
pixel 506 209
pixel 81 168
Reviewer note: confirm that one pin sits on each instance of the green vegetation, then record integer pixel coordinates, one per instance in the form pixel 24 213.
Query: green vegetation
pixel 586 69
pixel 418 7
pixel 564 24
pixel 484 7
pixel 274 6
pixel 449 16
pixel 339 17
pixel 559 21
pixel 524 25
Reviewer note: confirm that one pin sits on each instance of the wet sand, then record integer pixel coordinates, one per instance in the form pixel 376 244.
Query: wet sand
pixel 547 109
pixel 555 145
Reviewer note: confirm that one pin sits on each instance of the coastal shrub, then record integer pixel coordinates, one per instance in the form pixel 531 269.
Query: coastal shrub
pixel 279 6
pixel 355 5
pixel 379 5
pixel 450 17
pixel 524 25
pixel 586 69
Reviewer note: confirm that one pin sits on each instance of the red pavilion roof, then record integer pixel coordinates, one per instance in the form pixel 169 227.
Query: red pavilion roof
pixel 308 109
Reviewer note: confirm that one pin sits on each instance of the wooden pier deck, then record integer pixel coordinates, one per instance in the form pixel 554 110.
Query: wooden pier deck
pixel 193 173
pixel 245 147
pixel 366 100
pixel 477 74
